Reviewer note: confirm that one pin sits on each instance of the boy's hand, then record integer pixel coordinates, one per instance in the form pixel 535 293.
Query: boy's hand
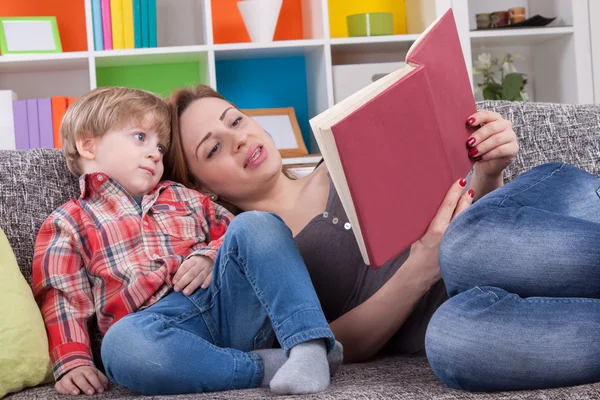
pixel 193 273
pixel 88 380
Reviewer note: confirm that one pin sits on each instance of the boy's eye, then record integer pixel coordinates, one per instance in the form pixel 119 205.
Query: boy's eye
pixel 140 136
pixel 236 122
pixel 213 150
pixel 161 149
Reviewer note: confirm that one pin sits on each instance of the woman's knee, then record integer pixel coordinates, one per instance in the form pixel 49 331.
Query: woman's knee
pixel 259 230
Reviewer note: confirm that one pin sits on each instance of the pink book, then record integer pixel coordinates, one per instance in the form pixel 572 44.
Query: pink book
pixel 21 124
pixel 106 25
pixel 394 148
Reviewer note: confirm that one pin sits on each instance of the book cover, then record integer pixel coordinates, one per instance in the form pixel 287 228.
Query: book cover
pixel 152 33
pixel 106 25
pixel 128 24
pixel 116 20
pixel 7 120
pixel 394 148
pixel 33 124
pixel 97 23
pixel 145 21
pixel 70 100
pixel 44 106
pixel 21 122
pixel 137 23
pixel 59 108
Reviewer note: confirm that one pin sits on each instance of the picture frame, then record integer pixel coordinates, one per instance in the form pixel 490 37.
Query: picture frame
pixel 281 124
pixel 29 35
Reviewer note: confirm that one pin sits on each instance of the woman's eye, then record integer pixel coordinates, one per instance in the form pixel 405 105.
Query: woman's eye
pixel 213 150
pixel 161 149
pixel 140 136
pixel 236 122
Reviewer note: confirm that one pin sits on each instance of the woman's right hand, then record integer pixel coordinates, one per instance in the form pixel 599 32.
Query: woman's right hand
pixel 424 253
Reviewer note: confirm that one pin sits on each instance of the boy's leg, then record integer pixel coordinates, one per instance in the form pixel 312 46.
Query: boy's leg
pixel 537 236
pixel 259 275
pixel 168 349
pixel 486 339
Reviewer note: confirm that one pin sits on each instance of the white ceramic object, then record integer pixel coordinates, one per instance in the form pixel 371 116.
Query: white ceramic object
pixel 260 18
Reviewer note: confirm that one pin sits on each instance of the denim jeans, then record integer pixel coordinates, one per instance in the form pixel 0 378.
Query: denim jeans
pixel 205 341
pixel 522 267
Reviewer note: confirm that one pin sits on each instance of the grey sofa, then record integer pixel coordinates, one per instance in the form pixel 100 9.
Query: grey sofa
pixel 34 182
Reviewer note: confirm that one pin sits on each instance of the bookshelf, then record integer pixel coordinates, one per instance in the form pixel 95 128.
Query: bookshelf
pixel 205 42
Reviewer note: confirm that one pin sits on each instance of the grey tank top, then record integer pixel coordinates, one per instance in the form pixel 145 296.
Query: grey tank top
pixel 343 281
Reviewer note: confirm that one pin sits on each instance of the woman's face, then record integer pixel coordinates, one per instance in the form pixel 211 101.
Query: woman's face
pixel 227 151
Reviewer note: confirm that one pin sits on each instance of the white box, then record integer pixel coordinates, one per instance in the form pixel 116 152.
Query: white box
pixel 7 122
pixel 350 78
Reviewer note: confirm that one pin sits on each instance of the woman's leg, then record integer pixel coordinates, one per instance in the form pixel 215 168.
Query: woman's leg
pixel 205 342
pixel 486 339
pixel 536 236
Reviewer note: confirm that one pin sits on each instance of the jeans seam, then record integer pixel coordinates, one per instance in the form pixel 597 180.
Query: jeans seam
pixel 301 337
pixel 537 182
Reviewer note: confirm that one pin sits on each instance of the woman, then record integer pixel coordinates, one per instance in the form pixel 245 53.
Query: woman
pixel 222 152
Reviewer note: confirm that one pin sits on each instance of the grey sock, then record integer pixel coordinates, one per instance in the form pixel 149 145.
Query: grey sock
pixel 273 359
pixel 306 370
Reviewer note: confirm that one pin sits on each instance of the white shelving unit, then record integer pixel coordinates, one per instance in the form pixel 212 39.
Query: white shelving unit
pixel 557 58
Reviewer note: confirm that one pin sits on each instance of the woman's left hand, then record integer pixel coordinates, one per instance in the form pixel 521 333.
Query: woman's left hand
pixel 494 145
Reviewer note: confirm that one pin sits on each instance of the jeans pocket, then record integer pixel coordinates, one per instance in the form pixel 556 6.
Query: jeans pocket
pixel 265 338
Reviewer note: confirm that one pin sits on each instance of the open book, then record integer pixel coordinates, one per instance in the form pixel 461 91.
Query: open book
pixel 394 148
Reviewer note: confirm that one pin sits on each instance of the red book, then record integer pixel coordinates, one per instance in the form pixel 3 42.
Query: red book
pixel 394 148
pixel 59 107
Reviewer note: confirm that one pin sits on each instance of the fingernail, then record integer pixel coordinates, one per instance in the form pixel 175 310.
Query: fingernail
pixel 471 142
pixel 471 121
pixel 75 392
pixel 471 193
pixel 463 182
pixel 473 152
pixel 90 391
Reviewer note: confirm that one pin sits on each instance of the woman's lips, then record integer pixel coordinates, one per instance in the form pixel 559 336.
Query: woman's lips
pixel 256 158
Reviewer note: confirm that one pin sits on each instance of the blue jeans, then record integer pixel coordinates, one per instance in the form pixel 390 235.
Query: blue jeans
pixel 522 267
pixel 205 341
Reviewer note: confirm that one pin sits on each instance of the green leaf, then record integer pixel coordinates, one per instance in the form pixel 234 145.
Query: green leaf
pixel 492 91
pixel 512 86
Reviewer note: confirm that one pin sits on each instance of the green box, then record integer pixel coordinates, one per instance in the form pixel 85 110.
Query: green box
pixel 24 26
pixel 370 24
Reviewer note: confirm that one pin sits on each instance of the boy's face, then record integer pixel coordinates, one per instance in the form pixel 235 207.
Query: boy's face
pixel 133 156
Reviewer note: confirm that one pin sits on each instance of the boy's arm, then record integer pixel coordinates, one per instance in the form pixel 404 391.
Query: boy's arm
pixel 215 220
pixel 63 292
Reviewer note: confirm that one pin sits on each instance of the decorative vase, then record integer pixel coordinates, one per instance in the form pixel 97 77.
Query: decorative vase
pixel 260 18
pixel 370 24
pixel 500 19
pixel 516 15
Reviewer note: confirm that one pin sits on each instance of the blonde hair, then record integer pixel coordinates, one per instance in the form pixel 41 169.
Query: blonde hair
pixel 104 109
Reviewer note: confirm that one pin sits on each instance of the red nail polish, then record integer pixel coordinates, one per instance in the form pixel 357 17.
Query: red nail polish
pixel 471 121
pixel 463 182
pixel 471 193
pixel 473 152
pixel 471 142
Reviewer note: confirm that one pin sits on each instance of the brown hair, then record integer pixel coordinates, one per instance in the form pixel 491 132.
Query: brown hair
pixel 107 108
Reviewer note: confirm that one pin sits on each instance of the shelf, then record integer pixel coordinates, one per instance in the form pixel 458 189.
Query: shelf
pixel 518 36
pixel 283 48
pixel 156 55
pixel 310 159
pixel 373 44
pixel 44 62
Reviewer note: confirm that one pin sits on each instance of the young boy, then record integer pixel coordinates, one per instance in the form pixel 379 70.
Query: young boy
pixel 183 307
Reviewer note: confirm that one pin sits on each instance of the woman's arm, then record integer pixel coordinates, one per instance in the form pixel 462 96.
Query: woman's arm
pixel 365 329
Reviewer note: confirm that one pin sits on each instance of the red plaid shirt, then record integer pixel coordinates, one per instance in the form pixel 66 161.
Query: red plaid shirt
pixel 103 255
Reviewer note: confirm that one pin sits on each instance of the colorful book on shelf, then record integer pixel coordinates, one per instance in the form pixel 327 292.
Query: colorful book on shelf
pixel 7 121
pixel 394 148
pixel 21 124
pixel 116 20
pixel 145 21
pixel 44 106
pixel 106 25
pixel 70 100
pixel 33 124
pixel 97 24
pixel 59 108
pixel 137 23
pixel 152 39
pixel 128 27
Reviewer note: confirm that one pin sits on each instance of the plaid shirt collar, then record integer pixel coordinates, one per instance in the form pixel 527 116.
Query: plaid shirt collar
pixel 97 185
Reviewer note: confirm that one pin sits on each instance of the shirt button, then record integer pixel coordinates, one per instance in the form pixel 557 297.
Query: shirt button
pixel 145 222
pixel 100 178
pixel 172 208
pixel 347 225
pixel 325 214
pixel 155 256
pixel 335 220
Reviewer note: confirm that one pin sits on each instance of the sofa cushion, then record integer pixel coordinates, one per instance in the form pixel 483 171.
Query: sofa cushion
pixel 24 358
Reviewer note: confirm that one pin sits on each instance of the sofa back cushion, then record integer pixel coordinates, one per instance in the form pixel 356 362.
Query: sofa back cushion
pixel 35 182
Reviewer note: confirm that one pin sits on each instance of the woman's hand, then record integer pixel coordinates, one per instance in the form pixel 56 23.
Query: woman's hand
pixel 424 252
pixel 494 145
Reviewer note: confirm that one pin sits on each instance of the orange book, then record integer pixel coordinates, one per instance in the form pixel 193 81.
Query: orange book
pixel 59 107
pixel 70 101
